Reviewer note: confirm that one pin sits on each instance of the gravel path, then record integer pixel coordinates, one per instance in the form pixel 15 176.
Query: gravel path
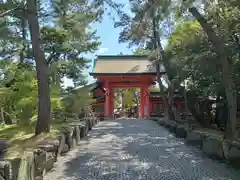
pixel 137 149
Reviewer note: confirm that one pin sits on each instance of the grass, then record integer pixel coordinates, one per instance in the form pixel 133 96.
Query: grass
pixel 21 137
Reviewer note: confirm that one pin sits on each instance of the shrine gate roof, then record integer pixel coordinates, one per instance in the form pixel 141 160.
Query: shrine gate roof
pixel 123 64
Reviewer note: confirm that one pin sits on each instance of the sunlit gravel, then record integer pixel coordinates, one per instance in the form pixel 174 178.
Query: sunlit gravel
pixel 137 149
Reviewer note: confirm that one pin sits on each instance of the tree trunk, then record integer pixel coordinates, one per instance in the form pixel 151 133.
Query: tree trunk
pixel 2 116
pixel 44 105
pixel 158 47
pixel 227 69
pixel 209 114
pixel 24 39
pixel 199 117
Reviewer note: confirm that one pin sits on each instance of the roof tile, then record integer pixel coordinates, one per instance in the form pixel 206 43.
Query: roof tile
pixel 123 65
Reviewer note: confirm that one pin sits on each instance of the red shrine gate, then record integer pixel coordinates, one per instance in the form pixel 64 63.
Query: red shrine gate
pixel 125 72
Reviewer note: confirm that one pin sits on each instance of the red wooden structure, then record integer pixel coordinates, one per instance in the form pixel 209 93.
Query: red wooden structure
pixel 158 107
pixel 126 72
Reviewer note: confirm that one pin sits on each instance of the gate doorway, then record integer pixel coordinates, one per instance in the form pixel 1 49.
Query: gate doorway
pixel 125 72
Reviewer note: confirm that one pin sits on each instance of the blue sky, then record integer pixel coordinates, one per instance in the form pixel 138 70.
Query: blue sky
pixel 109 41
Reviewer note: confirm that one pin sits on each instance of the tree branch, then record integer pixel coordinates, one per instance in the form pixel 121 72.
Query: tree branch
pixel 50 58
pixel 8 12
pixel 217 42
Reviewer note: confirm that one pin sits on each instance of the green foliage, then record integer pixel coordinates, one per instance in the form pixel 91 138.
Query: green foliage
pixel 189 54
pixel 194 59
pixel 18 92
pixel 63 54
pixel 65 42
pixel 76 101
pixel 127 97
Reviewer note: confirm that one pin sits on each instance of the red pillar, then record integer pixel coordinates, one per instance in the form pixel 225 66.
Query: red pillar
pixel 141 112
pixel 106 105
pixel 144 102
pixel 109 99
pixel 147 103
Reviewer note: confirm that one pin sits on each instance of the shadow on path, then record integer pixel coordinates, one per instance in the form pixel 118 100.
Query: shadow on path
pixel 135 149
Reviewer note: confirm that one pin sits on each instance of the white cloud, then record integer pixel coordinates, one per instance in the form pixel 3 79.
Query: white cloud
pixel 102 50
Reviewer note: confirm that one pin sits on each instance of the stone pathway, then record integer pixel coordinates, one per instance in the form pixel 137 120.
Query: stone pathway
pixel 137 149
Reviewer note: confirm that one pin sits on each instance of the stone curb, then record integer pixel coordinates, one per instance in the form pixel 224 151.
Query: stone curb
pixel 212 143
pixel 46 155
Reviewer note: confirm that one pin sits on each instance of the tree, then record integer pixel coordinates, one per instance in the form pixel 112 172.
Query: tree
pixel 18 92
pixel 137 30
pixel 200 50
pixel 75 101
pixel 44 105
pixel 188 54
pixel 227 69
pixel 143 30
pixel 127 97
pixel 221 49
pixel 63 45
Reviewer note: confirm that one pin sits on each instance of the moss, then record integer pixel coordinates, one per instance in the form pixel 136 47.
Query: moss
pixel 21 137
